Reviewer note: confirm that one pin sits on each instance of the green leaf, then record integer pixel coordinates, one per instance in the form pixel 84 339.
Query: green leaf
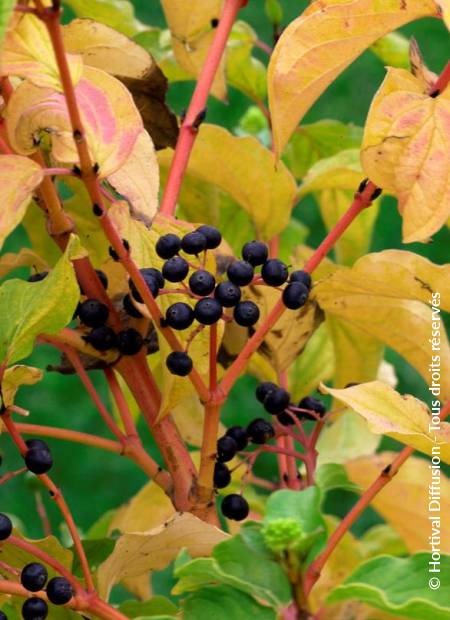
pixel 274 11
pixel 224 603
pixel 244 72
pixel 6 9
pixel 393 50
pixel 29 309
pixel 97 550
pixel 333 476
pixel 294 234
pixel 118 14
pixel 156 606
pixel 399 586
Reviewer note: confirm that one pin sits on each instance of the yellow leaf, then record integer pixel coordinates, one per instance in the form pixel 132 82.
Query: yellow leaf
pixel 404 501
pixel 109 116
pixel 136 553
pixel 24 258
pixel 418 67
pixel 317 46
pixel 192 35
pixel 445 7
pixel 244 168
pixel 16 376
pixel 27 52
pixel 387 296
pixel 405 150
pixel 402 417
pixel 138 179
pixel 18 178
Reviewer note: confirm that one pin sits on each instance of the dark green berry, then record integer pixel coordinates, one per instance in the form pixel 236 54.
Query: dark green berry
pixel 264 389
pixel 102 338
pixel 212 236
pixel 168 245
pixel 34 608
pixel 59 591
pixel 239 435
pixel 179 363
pixel 255 253
pixel 34 576
pixel 129 341
pixel 222 476
pixel 274 272
pixel 93 313
pixel 246 313
pixel 179 315
pixel 260 431
pixel 226 449
pixel 301 276
pixel 175 269
pixel 235 507
pixel 240 272
pixel 295 295
pixel 228 294
pixel 208 311
pixel 193 243
pixel 277 401
pixel 202 282
pixel 5 526
pixel 38 461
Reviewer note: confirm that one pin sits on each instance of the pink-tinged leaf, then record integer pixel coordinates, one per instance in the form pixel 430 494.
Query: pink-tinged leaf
pixel 19 176
pixel 28 53
pixel 110 119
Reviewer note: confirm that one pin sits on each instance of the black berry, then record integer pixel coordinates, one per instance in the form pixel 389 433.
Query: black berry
pixel 202 282
pixel 130 308
pixel 277 400
pixel 313 404
pixel 33 577
pixel 228 294
pixel 240 272
pixel 153 279
pixel 37 443
pixel 38 461
pixel 59 591
pixel 34 608
pixel 3 616
pixel 264 389
pixel 208 311
pixel 179 315
pixel 37 277
pixel 168 245
pixel 93 313
pixel 175 269
pixel 301 276
pixel 193 243
pixel 129 341
pixel 102 338
pixel 212 236
pixel 179 363
pixel 5 526
pixel 235 507
pixel 274 272
pixel 226 449
pixel 260 431
pixel 255 253
pixel 285 418
pixel 222 476
pixel 246 313
pixel 239 435
pixel 295 295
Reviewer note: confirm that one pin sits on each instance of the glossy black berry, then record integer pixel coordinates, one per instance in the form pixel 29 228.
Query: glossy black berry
pixel 130 308
pixel 59 591
pixel 153 279
pixel 240 272
pixel 295 295
pixel 235 507
pixel 179 315
pixel 129 341
pixel 168 245
pixel 3 616
pixel 5 526
pixel 208 311
pixel 34 608
pixel 212 236
pixel 175 269
pixel 246 313
pixel 222 476
pixel 37 443
pixel 37 277
pixel 255 253
pixel 301 276
pixel 179 363
pixel 38 461
pixel 102 338
pixel 93 313
pixel 264 389
pixel 202 282
pixel 260 431
pixel 277 401
pixel 34 577
pixel 239 435
pixel 228 294
pixel 274 272
pixel 285 418
pixel 226 449
pixel 193 243
pixel 313 404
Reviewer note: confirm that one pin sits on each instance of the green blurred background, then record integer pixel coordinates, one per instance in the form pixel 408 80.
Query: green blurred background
pixel 94 481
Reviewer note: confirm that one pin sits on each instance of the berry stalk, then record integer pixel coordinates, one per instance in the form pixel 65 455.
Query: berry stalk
pixel 189 127
pixel 68 435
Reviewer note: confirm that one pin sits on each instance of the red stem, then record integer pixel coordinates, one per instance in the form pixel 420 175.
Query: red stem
pixel 442 82
pixel 189 129
pixel 122 405
pixel 69 435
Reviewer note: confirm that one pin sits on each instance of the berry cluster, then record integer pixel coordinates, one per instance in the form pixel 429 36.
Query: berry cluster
pixel 277 401
pixel 34 577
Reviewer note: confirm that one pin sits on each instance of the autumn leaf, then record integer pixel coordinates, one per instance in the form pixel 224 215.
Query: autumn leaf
pixel 418 67
pixel 16 376
pixel 110 118
pixel 404 501
pixel 27 52
pixel 445 7
pixel 402 417
pixel 6 10
pixel 245 169
pixel 405 150
pixel 317 46
pixel 118 14
pixel 192 34
pixel 24 258
pixel 19 177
